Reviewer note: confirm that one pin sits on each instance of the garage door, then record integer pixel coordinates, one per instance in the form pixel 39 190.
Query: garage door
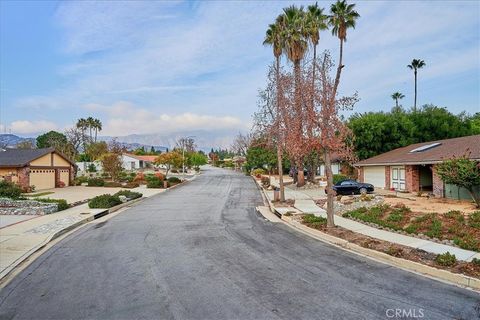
pixel 65 176
pixel 42 178
pixel 375 175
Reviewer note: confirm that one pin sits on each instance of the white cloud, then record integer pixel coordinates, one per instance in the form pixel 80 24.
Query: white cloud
pixel 31 127
pixel 124 118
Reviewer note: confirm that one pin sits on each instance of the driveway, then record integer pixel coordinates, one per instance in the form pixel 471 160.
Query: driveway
pixel 202 252
pixel 79 193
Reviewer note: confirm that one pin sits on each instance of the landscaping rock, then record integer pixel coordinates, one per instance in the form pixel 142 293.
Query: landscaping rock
pixel 26 207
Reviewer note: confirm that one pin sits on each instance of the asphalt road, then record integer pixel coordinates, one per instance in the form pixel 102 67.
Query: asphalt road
pixel 201 251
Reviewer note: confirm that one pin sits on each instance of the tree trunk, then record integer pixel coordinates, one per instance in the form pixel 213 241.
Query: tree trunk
pixel 311 160
pixel 475 197
pixel 298 121
pixel 330 192
pixel 415 101
pixel 279 139
pixel 339 70
pixel 396 103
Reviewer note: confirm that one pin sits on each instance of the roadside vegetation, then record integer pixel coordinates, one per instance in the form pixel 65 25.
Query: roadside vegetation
pixel 461 229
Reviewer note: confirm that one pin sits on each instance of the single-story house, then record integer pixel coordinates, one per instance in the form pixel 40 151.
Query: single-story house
pixel 339 166
pixel 42 168
pixel 135 162
pixel 412 168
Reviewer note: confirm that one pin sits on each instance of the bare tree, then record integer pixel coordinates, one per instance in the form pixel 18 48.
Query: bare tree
pixel 241 143
pixel 187 144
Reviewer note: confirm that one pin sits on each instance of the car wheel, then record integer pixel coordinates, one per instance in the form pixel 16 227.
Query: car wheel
pixel 363 191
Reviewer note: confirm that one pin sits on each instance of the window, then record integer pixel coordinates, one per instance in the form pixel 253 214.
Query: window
pixel 346 183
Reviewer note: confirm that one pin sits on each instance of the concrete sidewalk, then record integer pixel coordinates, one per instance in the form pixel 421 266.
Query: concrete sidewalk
pixel 19 241
pixel 303 205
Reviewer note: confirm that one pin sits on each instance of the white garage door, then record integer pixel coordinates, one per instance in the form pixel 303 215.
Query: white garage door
pixel 65 176
pixel 42 178
pixel 375 175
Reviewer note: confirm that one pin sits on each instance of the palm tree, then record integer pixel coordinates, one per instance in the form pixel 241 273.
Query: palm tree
pixel 315 22
pixel 97 126
pixel 342 17
pixel 273 38
pixel 91 124
pixel 415 65
pixel 295 45
pixel 397 96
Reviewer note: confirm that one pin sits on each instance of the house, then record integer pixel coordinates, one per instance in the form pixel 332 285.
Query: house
pixel 412 168
pixel 339 166
pixel 135 162
pixel 40 168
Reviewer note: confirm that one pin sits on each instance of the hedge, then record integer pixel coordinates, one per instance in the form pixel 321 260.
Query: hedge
pixel 104 201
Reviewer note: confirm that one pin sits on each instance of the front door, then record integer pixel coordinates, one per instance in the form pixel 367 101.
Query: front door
pixel 398 178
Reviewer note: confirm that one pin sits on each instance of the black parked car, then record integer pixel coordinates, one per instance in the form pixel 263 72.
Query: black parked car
pixel 347 187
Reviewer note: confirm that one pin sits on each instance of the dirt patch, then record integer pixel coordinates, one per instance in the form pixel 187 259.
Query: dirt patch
pixel 422 205
pixel 468 268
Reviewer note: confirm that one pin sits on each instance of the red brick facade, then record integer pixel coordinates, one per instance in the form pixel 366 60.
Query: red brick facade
pixel 412 178
pixel 24 177
pixel 438 185
pixel 387 177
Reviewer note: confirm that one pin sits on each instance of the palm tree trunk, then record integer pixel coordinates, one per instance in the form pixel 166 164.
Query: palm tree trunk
pixel 298 122
pixel 279 135
pixel 339 70
pixel 311 160
pixel 330 192
pixel 396 102
pixel 415 102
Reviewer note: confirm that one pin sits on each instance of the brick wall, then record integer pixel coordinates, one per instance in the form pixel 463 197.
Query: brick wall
pixel 438 185
pixel 412 178
pixel 387 177
pixel 24 177
pixel 361 175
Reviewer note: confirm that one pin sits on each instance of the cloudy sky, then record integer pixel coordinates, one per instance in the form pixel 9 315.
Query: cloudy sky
pixel 162 67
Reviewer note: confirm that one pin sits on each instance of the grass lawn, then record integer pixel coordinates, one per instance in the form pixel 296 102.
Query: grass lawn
pixel 34 195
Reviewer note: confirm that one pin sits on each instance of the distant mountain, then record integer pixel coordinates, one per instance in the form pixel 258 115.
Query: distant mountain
pixel 205 140
pixel 11 140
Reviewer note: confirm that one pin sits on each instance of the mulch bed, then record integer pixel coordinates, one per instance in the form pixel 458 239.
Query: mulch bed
pixel 396 250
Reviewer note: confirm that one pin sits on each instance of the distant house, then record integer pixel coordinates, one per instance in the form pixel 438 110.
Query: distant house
pixel 136 162
pixel 339 166
pixel 40 168
pixel 412 168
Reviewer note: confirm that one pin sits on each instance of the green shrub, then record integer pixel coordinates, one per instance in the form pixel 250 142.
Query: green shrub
pixel 62 204
pixel 9 190
pixel 446 259
pixel 91 168
pixel 413 228
pixel 467 242
pixel 435 229
pixel 79 180
pixel 95 182
pixel 395 216
pixel 314 221
pixel 476 261
pixel 129 194
pixel 339 177
pixel 104 201
pixel 112 184
pixel 173 180
pixel 154 182
pixel 258 172
pixel 474 220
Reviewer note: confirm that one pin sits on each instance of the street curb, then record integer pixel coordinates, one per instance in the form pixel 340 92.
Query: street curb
pixel 57 234
pixel 411 266
pixel 407 265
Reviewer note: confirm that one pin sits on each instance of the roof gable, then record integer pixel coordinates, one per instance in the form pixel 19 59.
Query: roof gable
pixel 22 157
pixel 428 152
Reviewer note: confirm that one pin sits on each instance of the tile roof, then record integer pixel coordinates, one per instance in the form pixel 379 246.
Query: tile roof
pixel 143 158
pixel 21 157
pixel 446 149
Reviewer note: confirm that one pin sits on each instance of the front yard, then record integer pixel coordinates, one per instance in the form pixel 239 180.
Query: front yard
pixel 453 226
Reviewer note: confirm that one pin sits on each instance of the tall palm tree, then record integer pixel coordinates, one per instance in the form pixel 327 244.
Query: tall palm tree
pixel 273 37
pixel 415 65
pixel 315 22
pixel 97 126
pixel 397 96
pixel 295 44
pixel 342 17
pixel 91 125
pixel 82 124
